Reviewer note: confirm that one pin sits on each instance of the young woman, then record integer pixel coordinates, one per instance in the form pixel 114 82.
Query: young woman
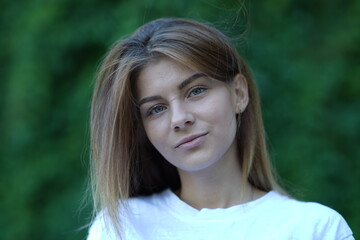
pixel 178 146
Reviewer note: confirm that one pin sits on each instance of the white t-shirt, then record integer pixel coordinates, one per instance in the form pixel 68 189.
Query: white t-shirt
pixel 273 216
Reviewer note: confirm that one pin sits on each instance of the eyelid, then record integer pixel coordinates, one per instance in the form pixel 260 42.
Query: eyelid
pixel 150 109
pixel 197 87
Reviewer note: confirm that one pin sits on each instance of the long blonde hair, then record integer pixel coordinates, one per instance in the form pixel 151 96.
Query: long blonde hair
pixel 124 163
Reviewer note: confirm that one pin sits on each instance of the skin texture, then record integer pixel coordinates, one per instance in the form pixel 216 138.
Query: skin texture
pixel 191 120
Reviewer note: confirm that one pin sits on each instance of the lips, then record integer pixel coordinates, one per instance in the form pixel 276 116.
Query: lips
pixel 191 141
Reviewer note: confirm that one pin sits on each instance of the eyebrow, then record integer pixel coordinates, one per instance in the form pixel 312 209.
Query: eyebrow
pixel 190 80
pixel 181 86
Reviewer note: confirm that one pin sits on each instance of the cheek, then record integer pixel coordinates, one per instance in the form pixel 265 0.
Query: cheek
pixel 150 132
pixel 220 110
pixel 155 131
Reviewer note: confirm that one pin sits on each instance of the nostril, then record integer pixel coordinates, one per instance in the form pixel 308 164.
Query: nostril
pixel 180 126
pixel 181 121
pixel 188 123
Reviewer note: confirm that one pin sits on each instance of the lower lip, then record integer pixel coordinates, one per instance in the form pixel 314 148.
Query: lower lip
pixel 193 143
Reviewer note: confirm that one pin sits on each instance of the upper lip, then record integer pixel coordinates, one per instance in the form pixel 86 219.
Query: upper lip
pixel 190 138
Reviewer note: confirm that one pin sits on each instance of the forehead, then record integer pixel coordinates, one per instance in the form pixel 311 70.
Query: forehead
pixel 161 76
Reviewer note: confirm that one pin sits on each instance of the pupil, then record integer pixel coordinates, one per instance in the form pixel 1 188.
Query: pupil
pixel 158 109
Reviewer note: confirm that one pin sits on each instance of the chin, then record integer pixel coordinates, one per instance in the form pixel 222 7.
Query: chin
pixel 195 165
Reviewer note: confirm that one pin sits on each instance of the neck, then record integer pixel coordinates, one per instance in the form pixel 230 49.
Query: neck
pixel 218 186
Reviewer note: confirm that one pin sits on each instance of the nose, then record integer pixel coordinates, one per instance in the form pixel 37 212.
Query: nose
pixel 181 118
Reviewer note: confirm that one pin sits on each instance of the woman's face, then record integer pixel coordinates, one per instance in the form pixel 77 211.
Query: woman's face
pixel 189 117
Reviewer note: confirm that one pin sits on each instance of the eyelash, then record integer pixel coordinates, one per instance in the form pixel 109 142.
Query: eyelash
pixel 151 112
pixel 203 89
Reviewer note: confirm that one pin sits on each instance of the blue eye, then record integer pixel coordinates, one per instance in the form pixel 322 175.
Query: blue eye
pixel 197 91
pixel 156 110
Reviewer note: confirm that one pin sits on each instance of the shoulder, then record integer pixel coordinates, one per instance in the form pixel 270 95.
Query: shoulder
pixel 133 212
pixel 100 229
pixel 322 221
pixel 312 210
pixel 149 203
pixel 300 207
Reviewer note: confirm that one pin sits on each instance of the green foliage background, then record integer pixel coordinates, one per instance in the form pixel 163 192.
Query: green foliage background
pixel 305 55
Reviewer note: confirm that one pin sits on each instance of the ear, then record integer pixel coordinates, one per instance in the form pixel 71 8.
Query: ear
pixel 240 93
